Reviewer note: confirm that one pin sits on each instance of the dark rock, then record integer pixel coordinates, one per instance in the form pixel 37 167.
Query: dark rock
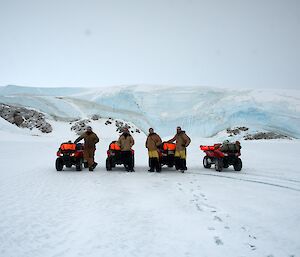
pixel 24 117
pixel 265 135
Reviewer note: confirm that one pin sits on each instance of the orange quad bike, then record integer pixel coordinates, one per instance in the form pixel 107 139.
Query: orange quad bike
pixel 166 154
pixel 115 157
pixel 70 154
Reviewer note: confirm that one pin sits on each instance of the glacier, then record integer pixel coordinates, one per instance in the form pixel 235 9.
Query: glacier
pixel 201 111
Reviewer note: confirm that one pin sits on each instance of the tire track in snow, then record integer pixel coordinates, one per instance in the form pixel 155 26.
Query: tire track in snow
pixel 274 177
pixel 249 180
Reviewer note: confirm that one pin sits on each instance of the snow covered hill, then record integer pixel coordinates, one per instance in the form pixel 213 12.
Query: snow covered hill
pixel 201 111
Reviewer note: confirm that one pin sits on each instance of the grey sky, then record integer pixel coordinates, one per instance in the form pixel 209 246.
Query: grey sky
pixel 229 43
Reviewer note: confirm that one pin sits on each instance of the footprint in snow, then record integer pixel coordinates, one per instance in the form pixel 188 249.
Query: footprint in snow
pixel 211 228
pixel 218 241
pixel 196 197
pixel 198 207
pixel 253 247
pixel 218 218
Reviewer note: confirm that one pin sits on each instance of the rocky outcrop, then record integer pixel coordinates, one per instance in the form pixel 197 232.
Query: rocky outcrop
pixel 25 118
pixel 120 126
pixel 265 135
pixel 236 131
pixel 96 117
pixel 80 126
pixel 245 133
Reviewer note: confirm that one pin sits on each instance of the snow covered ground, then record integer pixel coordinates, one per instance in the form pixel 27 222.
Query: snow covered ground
pixel 255 212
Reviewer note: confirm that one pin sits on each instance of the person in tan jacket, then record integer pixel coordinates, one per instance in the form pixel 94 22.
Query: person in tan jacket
pixel 182 142
pixel 125 142
pixel 90 140
pixel 153 141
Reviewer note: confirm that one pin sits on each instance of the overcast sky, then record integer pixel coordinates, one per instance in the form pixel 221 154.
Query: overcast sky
pixel 222 43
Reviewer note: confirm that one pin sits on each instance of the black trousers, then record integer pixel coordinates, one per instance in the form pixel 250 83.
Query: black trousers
pixel 127 159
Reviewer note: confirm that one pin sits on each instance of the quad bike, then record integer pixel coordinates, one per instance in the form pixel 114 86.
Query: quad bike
pixel 222 156
pixel 116 157
pixel 70 154
pixel 166 154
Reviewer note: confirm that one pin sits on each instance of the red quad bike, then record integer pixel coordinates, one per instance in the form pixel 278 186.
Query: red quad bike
pixel 114 156
pixel 70 154
pixel 166 154
pixel 222 156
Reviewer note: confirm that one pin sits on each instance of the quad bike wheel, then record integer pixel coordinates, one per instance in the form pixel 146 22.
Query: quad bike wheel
pixel 219 164
pixel 225 164
pixel 206 162
pixel 108 164
pixel 79 165
pixel 238 165
pixel 59 164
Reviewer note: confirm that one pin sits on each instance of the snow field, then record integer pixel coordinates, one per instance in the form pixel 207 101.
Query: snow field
pixel 254 212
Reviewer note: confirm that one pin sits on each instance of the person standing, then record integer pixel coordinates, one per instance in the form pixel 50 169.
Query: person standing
pixel 153 141
pixel 125 142
pixel 90 141
pixel 182 142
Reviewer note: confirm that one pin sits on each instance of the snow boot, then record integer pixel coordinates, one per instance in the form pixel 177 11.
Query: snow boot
pixel 94 165
pixel 181 165
pixel 157 165
pixel 184 164
pixel 177 163
pixel 152 164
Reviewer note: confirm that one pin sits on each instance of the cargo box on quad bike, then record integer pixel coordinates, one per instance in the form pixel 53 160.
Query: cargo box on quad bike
pixel 222 156
pixel 70 154
pixel 166 154
pixel 115 157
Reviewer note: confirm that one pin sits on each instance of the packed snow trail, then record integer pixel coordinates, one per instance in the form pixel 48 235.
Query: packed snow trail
pixel 198 213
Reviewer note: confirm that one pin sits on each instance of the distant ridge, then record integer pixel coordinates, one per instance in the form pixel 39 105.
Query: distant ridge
pixel 199 110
